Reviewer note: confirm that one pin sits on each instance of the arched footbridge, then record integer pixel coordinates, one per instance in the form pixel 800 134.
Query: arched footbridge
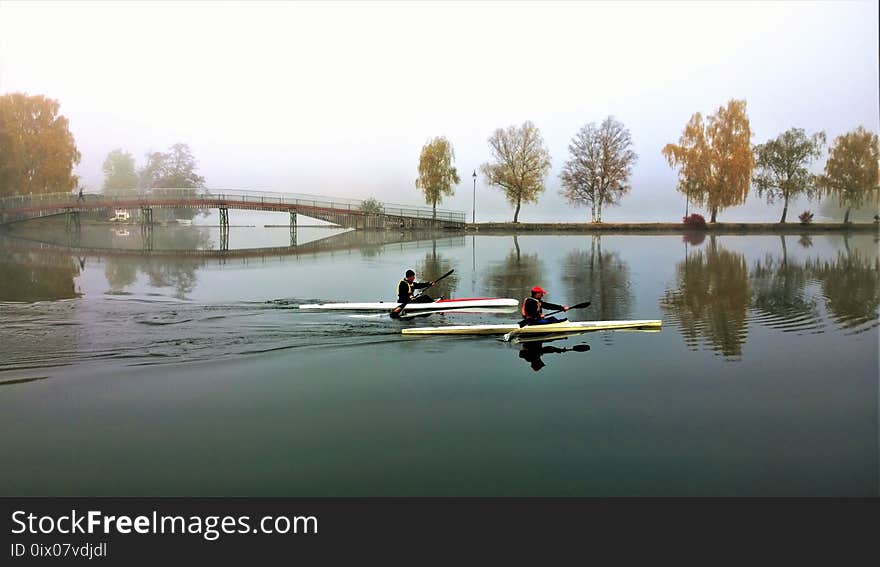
pixel 349 213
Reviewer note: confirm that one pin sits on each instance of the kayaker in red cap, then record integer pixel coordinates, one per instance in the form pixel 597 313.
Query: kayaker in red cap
pixel 533 305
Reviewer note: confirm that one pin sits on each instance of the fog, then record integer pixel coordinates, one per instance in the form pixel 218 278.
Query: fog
pixel 338 98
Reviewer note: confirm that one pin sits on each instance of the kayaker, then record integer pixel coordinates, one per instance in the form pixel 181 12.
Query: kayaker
pixel 408 285
pixel 533 305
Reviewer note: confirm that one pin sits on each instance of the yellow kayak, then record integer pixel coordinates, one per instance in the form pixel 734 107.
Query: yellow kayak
pixel 563 327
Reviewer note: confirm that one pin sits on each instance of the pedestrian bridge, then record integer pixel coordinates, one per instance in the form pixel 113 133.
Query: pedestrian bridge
pixel 349 213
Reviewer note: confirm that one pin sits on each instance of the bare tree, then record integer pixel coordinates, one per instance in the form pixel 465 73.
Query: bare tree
pixel 598 170
pixel 521 163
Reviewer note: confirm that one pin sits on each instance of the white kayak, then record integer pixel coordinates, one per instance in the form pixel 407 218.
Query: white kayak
pixel 441 305
pixel 550 328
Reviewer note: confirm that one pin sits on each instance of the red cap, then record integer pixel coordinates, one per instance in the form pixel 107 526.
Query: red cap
pixel 538 289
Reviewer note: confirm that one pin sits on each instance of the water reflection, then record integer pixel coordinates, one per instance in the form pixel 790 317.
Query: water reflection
pixel 602 278
pixel 42 264
pixel 515 275
pixel 120 273
pixel 710 299
pixel 434 266
pixel 780 294
pixel 532 350
pixel 851 288
pixel 694 237
pixel 28 276
pixel 180 275
pixel 806 241
pixel 716 297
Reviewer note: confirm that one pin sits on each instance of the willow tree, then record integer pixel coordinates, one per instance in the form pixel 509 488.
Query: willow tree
pixel 715 158
pixel 781 166
pixel 851 171
pixel 437 176
pixel 521 162
pixel 37 150
pixel 597 173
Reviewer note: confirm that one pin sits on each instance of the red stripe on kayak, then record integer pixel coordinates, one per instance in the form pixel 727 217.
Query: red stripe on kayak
pixel 466 299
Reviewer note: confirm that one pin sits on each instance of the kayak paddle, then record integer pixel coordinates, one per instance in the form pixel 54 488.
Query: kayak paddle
pixel 395 313
pixel 526 322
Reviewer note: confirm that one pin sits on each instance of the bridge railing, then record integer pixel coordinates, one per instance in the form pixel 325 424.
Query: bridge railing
pixel 221 196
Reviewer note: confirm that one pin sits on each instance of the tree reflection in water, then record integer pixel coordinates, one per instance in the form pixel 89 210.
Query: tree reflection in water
pixel 515 275
pixel 780 295
pixel 31 276
pixel 715 297
pixel 602 278
pixel 851 288
pixel 710 299
pixel 179 274
pixel 434 266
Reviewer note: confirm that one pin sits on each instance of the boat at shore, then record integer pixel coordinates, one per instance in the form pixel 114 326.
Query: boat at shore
pixel 548 329
pixel 468 304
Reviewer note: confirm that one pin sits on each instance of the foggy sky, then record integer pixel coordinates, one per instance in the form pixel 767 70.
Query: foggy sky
pixel 338 98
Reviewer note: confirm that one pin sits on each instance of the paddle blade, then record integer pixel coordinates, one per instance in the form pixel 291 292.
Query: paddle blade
pixel 580 305
pixel 581 348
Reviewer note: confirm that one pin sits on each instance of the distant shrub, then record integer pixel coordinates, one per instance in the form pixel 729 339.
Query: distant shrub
pixel 806 217
pixel 694 220
pixel 372 206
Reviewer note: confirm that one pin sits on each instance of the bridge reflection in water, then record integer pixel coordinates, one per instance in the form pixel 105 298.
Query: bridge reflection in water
pixel 24 243
pixel 42 265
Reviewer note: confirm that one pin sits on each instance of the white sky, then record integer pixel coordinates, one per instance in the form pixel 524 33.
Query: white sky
pixel 338 98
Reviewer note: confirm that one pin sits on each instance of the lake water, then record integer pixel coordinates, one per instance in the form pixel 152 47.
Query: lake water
pixel 135 364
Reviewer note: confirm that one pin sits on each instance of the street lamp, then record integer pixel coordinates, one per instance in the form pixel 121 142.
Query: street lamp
pixel 474 213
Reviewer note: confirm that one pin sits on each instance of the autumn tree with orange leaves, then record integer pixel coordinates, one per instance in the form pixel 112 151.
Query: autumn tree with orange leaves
pixel 714 158
pixel 37 150
pixel 437 176
pixel 853 169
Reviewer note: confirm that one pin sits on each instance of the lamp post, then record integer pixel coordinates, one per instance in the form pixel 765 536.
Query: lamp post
pixel 474 212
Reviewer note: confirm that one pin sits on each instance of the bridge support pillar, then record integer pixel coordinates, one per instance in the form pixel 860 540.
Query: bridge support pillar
pixel 293 228
pixel 146 239
pixel 224 238
pixel 146 218
pixel 73 222
pixel 224 228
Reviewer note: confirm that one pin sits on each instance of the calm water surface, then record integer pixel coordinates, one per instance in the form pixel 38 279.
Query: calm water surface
pixel 160 365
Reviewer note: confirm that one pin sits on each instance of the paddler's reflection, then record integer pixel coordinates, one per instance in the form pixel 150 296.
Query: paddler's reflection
pixel 532 352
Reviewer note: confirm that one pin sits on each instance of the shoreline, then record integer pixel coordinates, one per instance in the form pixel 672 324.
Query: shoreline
pixel 744 227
